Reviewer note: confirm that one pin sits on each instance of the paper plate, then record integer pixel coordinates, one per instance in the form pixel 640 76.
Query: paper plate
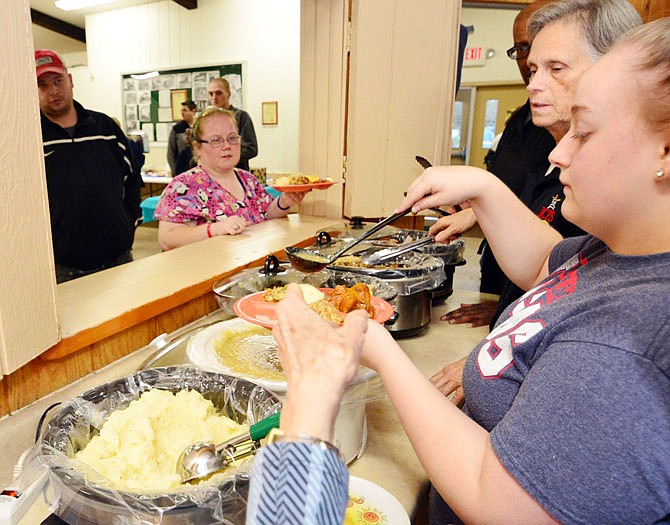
pixel 256 310
pixel 369 504
pixel 201 351
pixel 294 188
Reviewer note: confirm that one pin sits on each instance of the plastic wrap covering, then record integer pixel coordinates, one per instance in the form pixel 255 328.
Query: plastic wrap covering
pixel 409 273
pixel 76 499
pixel 451 253
pixel 253 280
pixel 378 287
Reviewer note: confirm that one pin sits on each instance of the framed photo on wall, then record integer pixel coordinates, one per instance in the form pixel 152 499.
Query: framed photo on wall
pixel 270 113
pixel 177 96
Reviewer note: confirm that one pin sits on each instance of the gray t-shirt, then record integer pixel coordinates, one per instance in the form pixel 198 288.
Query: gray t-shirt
pixel 574 385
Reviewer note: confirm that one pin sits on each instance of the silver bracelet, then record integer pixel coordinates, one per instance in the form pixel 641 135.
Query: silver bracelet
pixel 277 435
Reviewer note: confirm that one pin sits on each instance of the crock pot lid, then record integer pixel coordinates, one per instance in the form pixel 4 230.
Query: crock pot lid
pixel 254 280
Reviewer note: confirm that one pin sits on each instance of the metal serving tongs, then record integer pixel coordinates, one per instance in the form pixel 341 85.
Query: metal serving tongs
pixel 309 261
pixel 389 253
pixel 202 459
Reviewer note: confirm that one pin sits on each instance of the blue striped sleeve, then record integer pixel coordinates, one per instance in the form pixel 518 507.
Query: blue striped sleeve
pixel 297 484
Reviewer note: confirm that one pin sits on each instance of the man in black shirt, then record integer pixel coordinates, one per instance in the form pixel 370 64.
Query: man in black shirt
pixel 93 186
pixel 178 142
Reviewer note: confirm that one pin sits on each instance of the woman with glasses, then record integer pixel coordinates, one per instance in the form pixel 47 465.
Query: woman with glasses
pixel 215 198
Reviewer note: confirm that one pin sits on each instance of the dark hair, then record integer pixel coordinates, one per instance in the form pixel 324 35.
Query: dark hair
pixel 189 104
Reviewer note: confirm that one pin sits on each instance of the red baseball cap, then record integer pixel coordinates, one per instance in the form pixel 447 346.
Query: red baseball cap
pixel 47 61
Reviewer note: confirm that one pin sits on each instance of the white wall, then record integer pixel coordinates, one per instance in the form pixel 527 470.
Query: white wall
pixel 493 30
pixel 263 33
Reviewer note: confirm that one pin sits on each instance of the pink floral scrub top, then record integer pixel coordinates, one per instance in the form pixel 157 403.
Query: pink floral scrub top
pixel 195 196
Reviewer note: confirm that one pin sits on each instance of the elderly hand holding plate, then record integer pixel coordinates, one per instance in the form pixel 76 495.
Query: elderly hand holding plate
pixel 319 360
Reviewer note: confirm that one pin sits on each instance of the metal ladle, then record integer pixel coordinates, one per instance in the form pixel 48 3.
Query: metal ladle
pixel 202 459
pixel 309 261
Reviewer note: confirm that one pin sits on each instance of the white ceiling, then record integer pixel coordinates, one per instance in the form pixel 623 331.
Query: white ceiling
pixel 47 39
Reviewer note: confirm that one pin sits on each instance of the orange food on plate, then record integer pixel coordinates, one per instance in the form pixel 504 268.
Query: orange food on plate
pixel 355 298
pixel 333 307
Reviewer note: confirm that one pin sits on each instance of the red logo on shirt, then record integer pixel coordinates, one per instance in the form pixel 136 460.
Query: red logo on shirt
pixel 496 354
pixel 548 213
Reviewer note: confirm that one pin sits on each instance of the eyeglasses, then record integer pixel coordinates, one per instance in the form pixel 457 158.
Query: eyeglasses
pixel 217 142
pixel 518 51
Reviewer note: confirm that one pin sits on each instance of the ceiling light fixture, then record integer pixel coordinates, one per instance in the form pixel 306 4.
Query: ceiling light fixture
pixel 71 5
pixel 143 76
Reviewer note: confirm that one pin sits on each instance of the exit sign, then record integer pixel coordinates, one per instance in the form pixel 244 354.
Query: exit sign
pixel 474 56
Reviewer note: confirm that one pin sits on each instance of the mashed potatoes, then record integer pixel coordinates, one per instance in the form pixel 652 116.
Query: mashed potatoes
pixel 309 293
pixel 138 447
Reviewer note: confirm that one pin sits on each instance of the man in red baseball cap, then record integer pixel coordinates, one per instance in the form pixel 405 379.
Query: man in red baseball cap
pixel 93 184
pixel 55 88
pixel 47 60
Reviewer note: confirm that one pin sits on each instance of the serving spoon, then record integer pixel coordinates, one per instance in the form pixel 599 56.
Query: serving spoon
pixel 202 459
pixel 309 261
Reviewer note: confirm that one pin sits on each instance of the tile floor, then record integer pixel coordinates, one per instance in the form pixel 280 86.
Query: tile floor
pixel 146 241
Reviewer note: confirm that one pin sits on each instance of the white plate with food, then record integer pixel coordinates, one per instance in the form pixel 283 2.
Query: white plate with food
pixel 369 504
pixel 239 348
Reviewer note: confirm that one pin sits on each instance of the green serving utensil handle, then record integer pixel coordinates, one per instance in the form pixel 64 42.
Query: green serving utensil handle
pixel 262 428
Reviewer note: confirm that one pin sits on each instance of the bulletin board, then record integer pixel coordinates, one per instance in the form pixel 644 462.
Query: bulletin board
pixel 153 105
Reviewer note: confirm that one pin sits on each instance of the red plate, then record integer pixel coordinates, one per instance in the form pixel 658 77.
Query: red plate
pixel 294 188
pixel 256 310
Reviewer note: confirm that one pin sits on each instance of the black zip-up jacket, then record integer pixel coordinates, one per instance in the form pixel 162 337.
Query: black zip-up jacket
pixel 94 190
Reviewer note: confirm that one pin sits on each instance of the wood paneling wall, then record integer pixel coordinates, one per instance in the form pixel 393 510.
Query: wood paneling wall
pixel 652 9
pixel 28 321
pixel 402 78
pixel 322 95
pixel 648 9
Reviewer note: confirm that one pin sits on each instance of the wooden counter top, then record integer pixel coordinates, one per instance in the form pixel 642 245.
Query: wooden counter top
pixel 99 298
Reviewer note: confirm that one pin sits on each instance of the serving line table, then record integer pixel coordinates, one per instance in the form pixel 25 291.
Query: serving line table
pixel 389 460
pixel 112 313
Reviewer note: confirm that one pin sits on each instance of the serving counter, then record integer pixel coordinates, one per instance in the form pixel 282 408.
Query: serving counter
pixel 106 317
pixel 112 313
pixel 389 460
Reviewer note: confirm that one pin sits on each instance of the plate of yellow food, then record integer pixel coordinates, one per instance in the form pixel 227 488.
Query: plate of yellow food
pixel 369 504
pixel 239 348
pixel 330 303
pixel 242 349
pixel 298 182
